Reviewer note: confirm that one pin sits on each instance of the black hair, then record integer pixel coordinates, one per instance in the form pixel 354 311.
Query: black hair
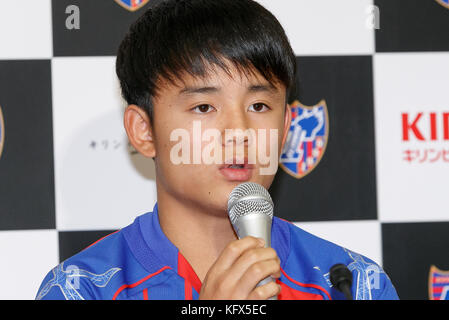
pixel 178 36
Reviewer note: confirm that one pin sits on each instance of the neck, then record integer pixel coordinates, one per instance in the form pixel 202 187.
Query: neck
pixel 199 234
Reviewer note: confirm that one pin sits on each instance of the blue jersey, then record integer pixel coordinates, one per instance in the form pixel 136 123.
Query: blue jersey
pixel 139 262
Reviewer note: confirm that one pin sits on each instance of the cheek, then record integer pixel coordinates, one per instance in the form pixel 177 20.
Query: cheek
pixel 269 141
pixel 177 155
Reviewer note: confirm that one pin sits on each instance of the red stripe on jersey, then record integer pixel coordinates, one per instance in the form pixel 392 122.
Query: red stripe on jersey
pixel 145 294
pixel 187 290
pixel 135 284
pixel 307 285
pixel 186 271
pixel 288 293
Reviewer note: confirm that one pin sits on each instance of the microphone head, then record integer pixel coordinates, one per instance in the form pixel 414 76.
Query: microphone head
pixel 249 197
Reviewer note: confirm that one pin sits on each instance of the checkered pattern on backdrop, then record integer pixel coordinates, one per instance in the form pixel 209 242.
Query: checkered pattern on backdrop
pixel 380 187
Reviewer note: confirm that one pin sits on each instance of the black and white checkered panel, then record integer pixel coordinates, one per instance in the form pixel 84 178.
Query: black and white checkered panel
pixel 68 175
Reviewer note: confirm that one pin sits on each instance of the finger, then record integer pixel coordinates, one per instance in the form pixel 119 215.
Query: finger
pixel 277 274
pixel 246 260
pixel 256 273
pixel 265 291
pixel 233 251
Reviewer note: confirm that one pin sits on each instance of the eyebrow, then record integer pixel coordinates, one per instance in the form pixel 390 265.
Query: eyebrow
pixel 205 90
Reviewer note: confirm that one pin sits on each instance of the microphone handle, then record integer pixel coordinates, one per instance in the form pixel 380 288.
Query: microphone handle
pixel 346 289
pixel 259 226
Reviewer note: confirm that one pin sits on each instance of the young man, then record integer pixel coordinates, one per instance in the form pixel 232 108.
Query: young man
pixel 211 65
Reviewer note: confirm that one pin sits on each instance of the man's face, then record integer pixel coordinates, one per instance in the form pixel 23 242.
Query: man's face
pixel 212 134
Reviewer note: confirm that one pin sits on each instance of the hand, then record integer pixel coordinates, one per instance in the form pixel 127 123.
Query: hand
pixel 240 267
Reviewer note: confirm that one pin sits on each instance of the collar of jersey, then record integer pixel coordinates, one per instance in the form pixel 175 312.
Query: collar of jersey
pixel 154 250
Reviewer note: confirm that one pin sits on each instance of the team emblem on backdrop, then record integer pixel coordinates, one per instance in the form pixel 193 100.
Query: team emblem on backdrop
pixel 2 132
pixel 307 139
pixel 444 3
pixel 438 284
pixel 132 5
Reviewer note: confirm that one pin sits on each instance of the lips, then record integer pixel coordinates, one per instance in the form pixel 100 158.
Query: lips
pixel 237 170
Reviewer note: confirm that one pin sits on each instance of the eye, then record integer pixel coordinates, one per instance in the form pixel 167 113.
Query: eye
pixel 204 108
pixel 258 107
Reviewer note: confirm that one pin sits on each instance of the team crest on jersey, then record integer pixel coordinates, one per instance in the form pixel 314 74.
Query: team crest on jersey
pixel 2 132
pixel 438 284
pixel 132 5
pixel 444 3
pixel 307 139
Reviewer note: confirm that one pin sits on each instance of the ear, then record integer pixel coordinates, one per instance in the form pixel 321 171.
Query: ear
pixel 140 133
pixel 287 123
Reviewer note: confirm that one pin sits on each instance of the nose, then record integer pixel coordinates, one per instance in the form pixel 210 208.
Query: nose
pixel 235 128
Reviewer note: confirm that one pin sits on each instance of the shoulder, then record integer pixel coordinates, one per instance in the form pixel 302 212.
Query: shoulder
pixel 93 273
pixel 78 277
pixel 310 258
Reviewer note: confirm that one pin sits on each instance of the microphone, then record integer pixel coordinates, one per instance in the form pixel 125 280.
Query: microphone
pixel 341 279
pixel 250 210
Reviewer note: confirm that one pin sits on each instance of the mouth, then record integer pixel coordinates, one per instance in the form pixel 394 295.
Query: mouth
pixel 237 170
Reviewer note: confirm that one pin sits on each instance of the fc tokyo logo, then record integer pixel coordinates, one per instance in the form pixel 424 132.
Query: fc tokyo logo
pixel 444 3
pixel 307 139
pixel 2 132
pixel 438 284
pixel 132 5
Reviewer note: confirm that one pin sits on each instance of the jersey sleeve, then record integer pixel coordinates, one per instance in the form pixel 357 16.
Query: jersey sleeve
pixel 370 282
